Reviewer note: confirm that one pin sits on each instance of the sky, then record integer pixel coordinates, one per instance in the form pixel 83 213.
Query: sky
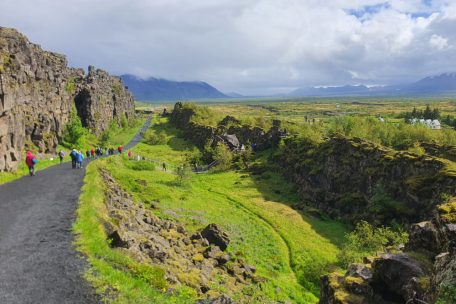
pixel 247 46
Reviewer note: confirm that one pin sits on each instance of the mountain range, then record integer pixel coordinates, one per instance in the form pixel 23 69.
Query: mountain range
pixel 156 89
pixel 443 84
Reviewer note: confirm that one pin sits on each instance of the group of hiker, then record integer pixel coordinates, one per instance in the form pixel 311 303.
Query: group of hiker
pixel 77 157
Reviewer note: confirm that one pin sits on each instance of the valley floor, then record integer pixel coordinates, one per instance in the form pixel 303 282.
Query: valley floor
pixel 289 249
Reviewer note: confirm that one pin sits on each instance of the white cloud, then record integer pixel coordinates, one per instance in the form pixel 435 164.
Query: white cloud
pixel 250 46
pixel 438 42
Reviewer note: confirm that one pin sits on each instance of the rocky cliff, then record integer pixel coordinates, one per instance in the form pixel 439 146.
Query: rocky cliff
pixel 38 91
pixel 355 180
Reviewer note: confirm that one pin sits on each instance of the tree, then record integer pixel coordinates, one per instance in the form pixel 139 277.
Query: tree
pixel 427 113
pixel 74 131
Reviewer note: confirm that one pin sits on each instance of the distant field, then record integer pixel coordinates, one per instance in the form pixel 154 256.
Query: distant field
pixel 296 109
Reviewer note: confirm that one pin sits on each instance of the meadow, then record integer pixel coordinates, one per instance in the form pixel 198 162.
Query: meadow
pixel 289 248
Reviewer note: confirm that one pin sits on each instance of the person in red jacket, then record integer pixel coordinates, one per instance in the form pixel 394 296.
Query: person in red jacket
pixel 92 153
pixel 120 149
pixel 30 161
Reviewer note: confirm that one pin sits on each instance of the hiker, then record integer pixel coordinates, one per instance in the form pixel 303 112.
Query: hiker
pixel 138 157
pixel 88 153
pixel 79 160
pixel 74 156
pixel 107 152
pixel 61 156
pixel 31 161
pixel 120 148
pixel 92 153
pixel 130 154
pixel 164 166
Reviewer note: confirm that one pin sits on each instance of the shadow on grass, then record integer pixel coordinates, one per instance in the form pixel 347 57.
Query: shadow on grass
pixel 274 187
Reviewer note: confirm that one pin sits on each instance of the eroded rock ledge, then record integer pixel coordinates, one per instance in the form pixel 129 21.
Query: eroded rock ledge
pixel 190 259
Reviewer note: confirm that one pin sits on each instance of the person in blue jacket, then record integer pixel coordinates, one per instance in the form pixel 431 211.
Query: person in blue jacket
pixel 80 159
pixel 74 158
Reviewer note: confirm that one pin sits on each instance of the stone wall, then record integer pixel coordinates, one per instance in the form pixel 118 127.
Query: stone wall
pixel 37 94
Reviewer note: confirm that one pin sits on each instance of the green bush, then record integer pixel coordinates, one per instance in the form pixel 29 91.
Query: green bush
pixel 74 132
pixel 183 175
pixel 152 138
pixel 222 154
pixel 124 121
pixel 367 240
pixel 447 294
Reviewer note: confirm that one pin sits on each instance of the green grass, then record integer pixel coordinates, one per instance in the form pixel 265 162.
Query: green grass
pixel 290 249
pixel 22 170
pixel 117 276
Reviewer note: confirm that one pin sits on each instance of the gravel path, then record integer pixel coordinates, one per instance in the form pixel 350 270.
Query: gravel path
pixel 38 261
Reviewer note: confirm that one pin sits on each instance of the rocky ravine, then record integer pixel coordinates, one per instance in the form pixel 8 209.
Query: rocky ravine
pixel 38 91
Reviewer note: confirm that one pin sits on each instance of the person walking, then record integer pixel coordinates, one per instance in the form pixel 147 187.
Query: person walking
pixel 74 158
pixel 31 161
pixel 88 153
pixel 130 154
pixel 120 149
pixel 92 153
pixel 61 156
pixel 80 159
pixel 164 166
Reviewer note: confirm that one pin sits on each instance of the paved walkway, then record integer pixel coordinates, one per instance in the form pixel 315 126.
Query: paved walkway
pixel 38 261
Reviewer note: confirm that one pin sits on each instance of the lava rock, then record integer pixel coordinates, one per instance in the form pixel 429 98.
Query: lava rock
pixel 214 235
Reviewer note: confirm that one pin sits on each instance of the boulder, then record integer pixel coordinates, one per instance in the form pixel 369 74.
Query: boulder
pixel 358 270
pixel 395 275
pixel 223 299
pixel 424 235
pixel 214 235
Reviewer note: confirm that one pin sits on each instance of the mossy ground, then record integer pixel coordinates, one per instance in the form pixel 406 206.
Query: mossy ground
pixel 290 249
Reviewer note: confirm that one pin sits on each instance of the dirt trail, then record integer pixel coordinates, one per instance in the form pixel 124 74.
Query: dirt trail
pixel 38 261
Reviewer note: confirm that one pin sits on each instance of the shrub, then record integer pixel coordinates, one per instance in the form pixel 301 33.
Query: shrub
pixel 447 294
pixel 183 175
pixel 222 154
pixel 152 138
pixel 367 240
pixel 124 121
pixel 74 131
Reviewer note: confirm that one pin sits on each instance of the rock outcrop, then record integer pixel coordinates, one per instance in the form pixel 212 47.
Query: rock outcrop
pixel 414 276
pixel 189 259
pixel 355 180
pixel 228 131
pixel 37 94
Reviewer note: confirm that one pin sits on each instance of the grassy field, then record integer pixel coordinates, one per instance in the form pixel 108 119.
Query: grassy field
pixel 290 249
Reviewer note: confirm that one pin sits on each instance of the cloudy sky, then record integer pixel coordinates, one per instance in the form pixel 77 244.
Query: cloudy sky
pixel 247 46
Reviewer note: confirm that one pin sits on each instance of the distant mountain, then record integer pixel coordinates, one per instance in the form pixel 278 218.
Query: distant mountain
pixel 444 84
pixel 234 95
pixel 433 85
pixel 153 89
pixel 331 91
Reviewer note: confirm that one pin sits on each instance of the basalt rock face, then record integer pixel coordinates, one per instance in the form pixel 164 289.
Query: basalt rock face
pixel 355 180
pixel 101 99
pixel 225 131
pixel 37 94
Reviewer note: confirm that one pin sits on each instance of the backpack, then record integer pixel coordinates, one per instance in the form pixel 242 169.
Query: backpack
pixel 34 161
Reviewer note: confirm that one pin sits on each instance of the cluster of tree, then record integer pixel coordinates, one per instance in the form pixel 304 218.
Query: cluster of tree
pixel 427 113
pixel 450 121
